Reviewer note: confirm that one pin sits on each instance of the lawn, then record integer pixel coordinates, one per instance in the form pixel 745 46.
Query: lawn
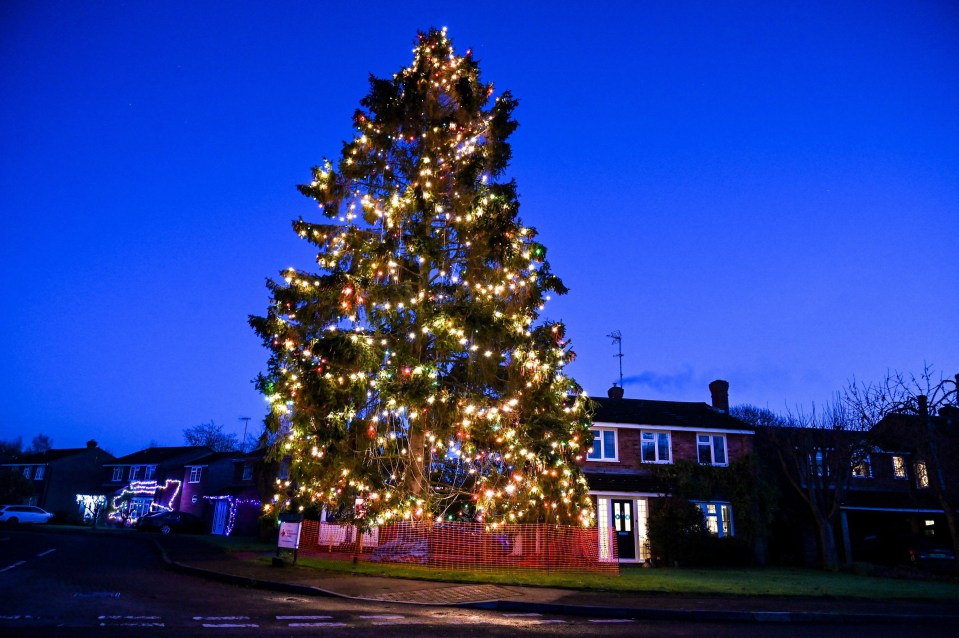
pixel 770 581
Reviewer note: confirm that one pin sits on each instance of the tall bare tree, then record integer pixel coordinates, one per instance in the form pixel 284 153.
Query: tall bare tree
pixel 815 450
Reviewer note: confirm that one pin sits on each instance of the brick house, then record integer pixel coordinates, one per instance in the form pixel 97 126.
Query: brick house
pixel 148 480
pixel 634 436
pixel 59 476
pixel 893 494
pixel 221 489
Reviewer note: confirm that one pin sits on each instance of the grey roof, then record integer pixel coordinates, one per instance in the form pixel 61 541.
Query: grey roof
pixel 686 414
pixel 158 455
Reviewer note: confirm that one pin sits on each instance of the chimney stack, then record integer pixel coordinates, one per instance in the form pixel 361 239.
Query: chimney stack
pixel 615 392
pixel 720 391
pixel 923 405
pixel 91 444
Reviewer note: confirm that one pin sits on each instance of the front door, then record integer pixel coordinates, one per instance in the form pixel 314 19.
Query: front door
pixel 220 513
pixel 623 526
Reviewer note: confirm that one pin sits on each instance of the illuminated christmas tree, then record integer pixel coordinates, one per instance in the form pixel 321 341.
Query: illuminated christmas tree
pixel 410 378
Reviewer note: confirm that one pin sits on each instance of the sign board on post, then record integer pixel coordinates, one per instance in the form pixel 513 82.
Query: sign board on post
pixel 289 537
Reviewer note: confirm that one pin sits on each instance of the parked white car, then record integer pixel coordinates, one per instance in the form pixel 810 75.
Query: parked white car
pixel 14 514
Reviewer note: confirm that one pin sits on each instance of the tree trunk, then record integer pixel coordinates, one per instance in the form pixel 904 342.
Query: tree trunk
pixel 828 550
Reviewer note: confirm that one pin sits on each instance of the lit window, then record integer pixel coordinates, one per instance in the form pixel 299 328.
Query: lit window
pixel 149 472
pixel 38 474
pixel 862 468
pixel 118 473
pixel 655 447
pixel 195 473
pixel 922 476
pixel 247 472
pixel 711 449
pixel 899 467
pixel 719 518
pixel 604 445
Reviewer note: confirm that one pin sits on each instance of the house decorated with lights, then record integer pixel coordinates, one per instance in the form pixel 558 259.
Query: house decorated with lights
pixel 221 489
pixel 634 437
pixel 148 480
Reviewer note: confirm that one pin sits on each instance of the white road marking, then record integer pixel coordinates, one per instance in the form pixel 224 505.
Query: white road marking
pixel 49 551
pixel 612 620
pixel 128 618
pixel 228 625
pixel 132 624
pixel 221 618
pixel 303 617
pixel 15 617
pixel 553 621
pixel 317 624
pixel 383 617
pixel 9 567
pixel 522 615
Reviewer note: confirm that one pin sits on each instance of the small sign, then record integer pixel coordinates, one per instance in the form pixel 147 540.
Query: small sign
pixel 289 536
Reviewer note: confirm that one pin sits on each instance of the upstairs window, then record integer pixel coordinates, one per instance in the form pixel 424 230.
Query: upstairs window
pixel 247 472
pixel 27 471
pixel 711 449
pixel 118 473
pixel 195 473
pixel 135 473
pixel 862 468
pixel 604 445
pixel 899 467
pixel 150 473
pixel 656 447
pixel 922 475
pixel 39 472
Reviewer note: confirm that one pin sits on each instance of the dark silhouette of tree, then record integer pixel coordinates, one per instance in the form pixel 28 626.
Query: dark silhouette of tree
pixel 40 443
pixel 212 436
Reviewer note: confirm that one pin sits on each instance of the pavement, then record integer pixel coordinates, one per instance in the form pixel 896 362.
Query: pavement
pixel 200 559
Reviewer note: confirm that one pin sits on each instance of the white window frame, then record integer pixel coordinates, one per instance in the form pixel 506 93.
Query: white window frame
pixel 117 473
pixel 656 434
pixel 899 470
pixel 599 436
pixel 134 473
pixel 39 472
pixel 28 471
pixel 711 442
pixel 247 472
pixel 719 517
pixel 149 472
pixel 196 473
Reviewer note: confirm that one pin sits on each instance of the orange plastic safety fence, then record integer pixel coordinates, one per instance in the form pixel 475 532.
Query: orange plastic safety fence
pixel 469 546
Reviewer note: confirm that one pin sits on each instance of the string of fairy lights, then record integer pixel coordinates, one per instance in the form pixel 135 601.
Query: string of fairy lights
pixel 409 379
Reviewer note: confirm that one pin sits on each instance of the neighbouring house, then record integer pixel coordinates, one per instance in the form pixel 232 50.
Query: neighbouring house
pixel 148 480
pixel 60 475
pixel 892 494
pixel 221 489
pixel 633 437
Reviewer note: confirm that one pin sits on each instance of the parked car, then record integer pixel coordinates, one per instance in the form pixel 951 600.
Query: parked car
pixel 14 514
pixel 924 552
pixel 168 522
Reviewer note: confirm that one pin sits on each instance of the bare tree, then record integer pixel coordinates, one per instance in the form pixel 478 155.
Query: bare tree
pixel 816 451
pixel 211 435
pixel 905 406
pixel 40 444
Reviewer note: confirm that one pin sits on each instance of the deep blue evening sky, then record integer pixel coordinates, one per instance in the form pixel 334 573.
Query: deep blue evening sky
pixel 766 193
